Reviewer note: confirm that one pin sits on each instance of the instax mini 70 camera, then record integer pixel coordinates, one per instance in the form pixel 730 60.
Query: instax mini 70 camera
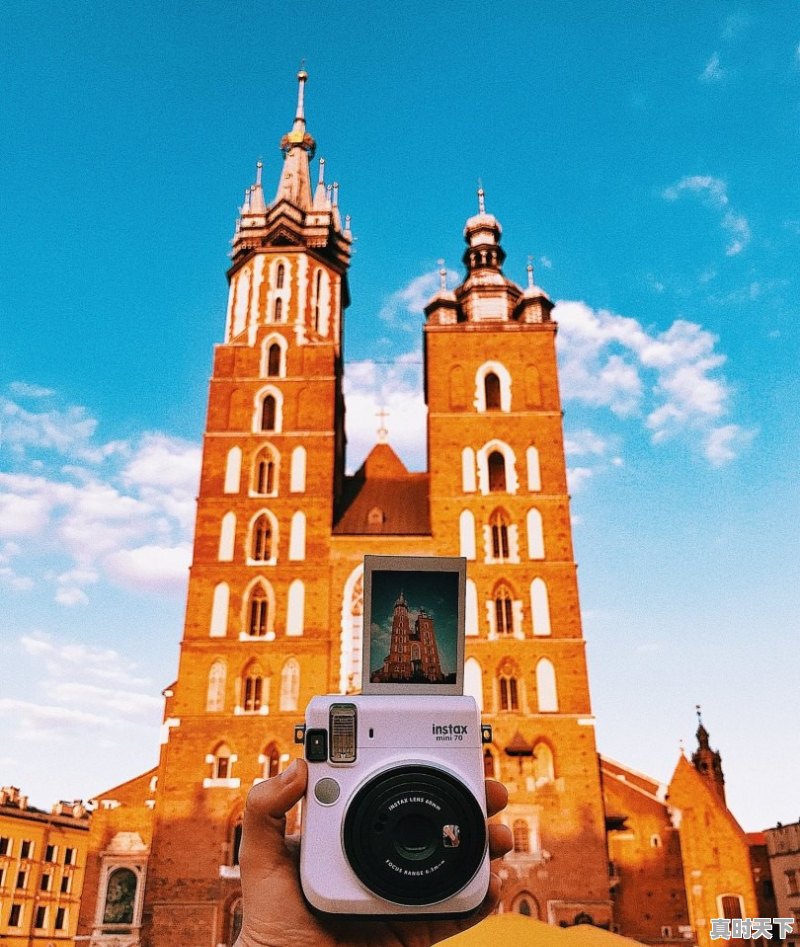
pixel 394 820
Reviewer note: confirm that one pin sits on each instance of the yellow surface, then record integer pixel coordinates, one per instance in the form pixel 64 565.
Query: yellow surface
pixel 508 929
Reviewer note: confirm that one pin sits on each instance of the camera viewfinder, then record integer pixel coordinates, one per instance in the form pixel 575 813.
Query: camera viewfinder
pixel 343 733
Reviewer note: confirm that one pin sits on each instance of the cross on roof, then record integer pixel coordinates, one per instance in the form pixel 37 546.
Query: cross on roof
pixel 383 431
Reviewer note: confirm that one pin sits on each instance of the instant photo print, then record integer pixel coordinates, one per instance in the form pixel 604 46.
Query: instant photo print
pixel 413 625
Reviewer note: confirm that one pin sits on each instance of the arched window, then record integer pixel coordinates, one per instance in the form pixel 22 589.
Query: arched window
pixel 290 685
pixel 352 632
pixel 466 526
pixel 233 468
pixel 297 475
pixel 522 836
pixel 234 922
pixel 222 762
pixel 265 473
pixel 227 535
pixel 296 608
pixel 546 691
pixel 278 310
pixel 280 276
pixel 508 690
pixel 219 610
pixel 120 897
pixel 503 611
pixel 543 769
pixel 274 360
pixel 496 465
pixel 534 473
pixel 468 470
pixel 268 412
pixel 535 534
pixel 258 616
pixel 491 387
pixel 272 761
pixel 498 524
pixel 540 608
pixel 215 695
pixel 488 764
pixel 525 904
pixel 252 690
pixel 262 539
pixel 473 681
pixel 471 609
pixel 297 536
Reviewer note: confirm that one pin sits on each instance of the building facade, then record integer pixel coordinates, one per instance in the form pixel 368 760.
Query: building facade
pixel 42 864
pixel 783 849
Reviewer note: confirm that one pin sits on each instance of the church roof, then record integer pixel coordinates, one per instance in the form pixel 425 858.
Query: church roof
pixel 383 498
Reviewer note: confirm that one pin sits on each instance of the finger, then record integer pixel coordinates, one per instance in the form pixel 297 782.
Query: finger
pixel 496 796
pixel 447 928
pixel 265 813
pixel 501 840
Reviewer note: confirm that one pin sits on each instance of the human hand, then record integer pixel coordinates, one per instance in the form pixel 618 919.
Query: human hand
pixel 275 912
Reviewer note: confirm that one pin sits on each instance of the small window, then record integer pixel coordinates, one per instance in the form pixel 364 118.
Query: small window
pixel 497 472
pixel 61 919
pixel 499 529
pixel 655 841
pixel 268 412
pixel 215 693
pixel 50 853
pixel 236 842
pixel 280 276
pixel 491 387
pixel 731 906
pixel 45 881
pixel 22 879
pixel 5 845
pixel 26 849
pixel 522 839
pixel 791 882
pixel 290 685
pixel 274 360
pixel 666 931
pixel 488 764
pixel 524 907
pixel 41 918
pixel 222 764
pixel 272 762
pixel 278 310
pixel 15 916
pixel 66 884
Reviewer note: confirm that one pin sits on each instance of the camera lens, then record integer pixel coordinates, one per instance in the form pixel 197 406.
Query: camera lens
pixel 414 835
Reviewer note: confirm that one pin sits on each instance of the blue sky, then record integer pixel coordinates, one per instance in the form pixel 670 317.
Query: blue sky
pixel 645 155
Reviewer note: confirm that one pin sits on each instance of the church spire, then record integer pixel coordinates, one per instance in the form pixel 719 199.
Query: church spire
pixel 298 149
pixel 706 761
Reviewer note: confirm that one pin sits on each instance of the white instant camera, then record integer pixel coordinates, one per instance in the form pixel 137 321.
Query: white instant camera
pixel 394 819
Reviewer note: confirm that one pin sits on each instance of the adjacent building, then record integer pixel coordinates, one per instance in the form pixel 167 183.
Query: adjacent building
pixel 42 866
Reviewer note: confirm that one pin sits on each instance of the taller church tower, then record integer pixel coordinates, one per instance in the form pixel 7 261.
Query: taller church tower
pixel 275 609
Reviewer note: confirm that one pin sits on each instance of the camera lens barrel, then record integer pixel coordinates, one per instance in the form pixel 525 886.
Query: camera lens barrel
pixel 414 835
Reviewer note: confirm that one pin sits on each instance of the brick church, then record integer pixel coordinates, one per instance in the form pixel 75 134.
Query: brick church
pixel 274 611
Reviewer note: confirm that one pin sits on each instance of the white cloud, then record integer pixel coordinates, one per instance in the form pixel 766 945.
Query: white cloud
pixel 412 299
pixel 713 72
pixel 151 568
pixel 713 192
pixel 577 443
pixel 722 444
pixel 24 390
pixel 577 477
pixel 671 379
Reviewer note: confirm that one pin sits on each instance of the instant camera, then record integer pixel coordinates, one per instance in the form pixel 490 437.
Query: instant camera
pixel 394 820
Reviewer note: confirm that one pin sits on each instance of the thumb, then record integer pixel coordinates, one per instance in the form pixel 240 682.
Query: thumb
pixel 264 823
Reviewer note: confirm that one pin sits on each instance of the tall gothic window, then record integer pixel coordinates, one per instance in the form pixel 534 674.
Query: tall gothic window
pixel 491 388
pixel 497 472
pixel 290 685
pixel 215 695
pixel 258 613
pixel 280 276
pixel 499 528
pixel 253 684
pixel 503 611
pixel 543 768
pixel 268 413
pixel 264 470
pixel 261 544
pixel 509 697
pixel 278 310
pixel 274 360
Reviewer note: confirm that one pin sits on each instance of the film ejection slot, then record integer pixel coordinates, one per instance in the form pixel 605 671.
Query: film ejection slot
pixel 343 733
